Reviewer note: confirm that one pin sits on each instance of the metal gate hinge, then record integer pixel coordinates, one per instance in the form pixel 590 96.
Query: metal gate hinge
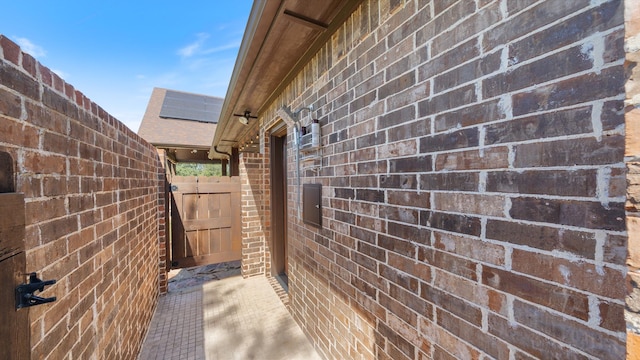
pixel 25 296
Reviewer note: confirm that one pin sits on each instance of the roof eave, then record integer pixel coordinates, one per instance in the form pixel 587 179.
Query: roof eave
pixel 255 17
pixel 264 16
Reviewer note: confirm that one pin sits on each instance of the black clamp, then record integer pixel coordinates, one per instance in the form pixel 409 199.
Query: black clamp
pixel 25 296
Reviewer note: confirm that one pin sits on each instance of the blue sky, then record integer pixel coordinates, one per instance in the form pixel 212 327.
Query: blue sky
pixel 116 52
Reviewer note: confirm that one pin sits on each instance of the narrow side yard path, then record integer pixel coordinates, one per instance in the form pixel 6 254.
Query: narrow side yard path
pixel 232 318
pixel 176 330
pixel 250 323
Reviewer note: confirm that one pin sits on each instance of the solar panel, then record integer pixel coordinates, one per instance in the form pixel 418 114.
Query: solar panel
pixel 185 106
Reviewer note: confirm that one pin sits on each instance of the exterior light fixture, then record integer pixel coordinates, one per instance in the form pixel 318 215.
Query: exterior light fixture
pixel 244 118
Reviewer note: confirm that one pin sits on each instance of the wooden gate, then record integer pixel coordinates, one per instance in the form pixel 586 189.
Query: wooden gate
pixel 14 324
pixel 205 220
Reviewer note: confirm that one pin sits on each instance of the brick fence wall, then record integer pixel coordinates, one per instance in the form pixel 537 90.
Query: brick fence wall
pixel 473 182
pixel 632 153
pixel 94 213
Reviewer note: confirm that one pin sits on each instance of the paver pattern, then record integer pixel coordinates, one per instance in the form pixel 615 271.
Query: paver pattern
pixel 228 319
pixel 176 331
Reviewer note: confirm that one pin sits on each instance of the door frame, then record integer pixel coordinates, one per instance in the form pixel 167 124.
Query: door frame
pixel 279 209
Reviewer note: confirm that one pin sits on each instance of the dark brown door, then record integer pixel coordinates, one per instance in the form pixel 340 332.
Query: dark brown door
pixel 279 202
pixel 14 324
pixel 205 220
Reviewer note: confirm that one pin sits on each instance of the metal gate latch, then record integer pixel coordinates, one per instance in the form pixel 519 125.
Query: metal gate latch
pixel 25 296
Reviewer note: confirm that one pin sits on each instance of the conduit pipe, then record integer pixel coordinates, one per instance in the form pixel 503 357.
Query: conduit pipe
pixel 297 130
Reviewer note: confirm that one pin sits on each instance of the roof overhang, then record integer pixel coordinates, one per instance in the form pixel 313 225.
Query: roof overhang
pixel 281 37
pixel 187 126
pixel 190 155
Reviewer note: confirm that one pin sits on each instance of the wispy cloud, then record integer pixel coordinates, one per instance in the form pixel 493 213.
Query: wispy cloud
pixel 199 47
pixel 231 45
pixel 29 47
pixel 194 47
pixel 63 75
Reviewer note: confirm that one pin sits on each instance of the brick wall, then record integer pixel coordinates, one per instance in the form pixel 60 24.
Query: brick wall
pixel 473 182
pixel 94 213
pixel 632 153
pixel 255 200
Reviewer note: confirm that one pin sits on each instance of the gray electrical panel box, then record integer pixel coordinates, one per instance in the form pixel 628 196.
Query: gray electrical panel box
pixel 312 204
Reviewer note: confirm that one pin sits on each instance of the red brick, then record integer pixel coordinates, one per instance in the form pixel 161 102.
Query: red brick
pixel 58 83
pixel 59 103
pixel 365 141
pixel 19 82
pixel 542 237
pixel 40 163
pixel 39 116
pixel 10 104
pixel 574 29
pixel 472 25
pixel 469 203
pixel 468 247
pixel 469 72
pixel 46 75
pixel 409 96
pixel 29 64
pixel 600 281
pixel 555 297
pixel 400 279
pixel 468 290
pixel 448 341
pixel 448 262
pixel 570 332
pixel 564 63
pixel 377 224
pixel 489 344
pixel 39 211
pixel 409 198
pixel 444 300
pixel 396 85
pixel 414 268
pixel 404 181
pixel 582 183
pixel 10 50
pixel 584 88
pixel 439 353
pixel 590 215
pixel 447 101
pixel 531 342
pixel 612 316
pixel 397 117
pixel 528 22
pixel 458 55
pixel 615 249
pixel 539 126
pixel 462 224
pixel 452 181
pixel 470 115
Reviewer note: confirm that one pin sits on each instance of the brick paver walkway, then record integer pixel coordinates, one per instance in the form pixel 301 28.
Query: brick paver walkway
pixel 176 331
pixel 229 319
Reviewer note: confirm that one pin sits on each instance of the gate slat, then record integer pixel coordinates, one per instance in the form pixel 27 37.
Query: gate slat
pixel 207 226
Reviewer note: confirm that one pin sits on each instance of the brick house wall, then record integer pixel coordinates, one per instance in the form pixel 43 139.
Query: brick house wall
pixel 255 201
pixel 474 182
pixel 94 213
